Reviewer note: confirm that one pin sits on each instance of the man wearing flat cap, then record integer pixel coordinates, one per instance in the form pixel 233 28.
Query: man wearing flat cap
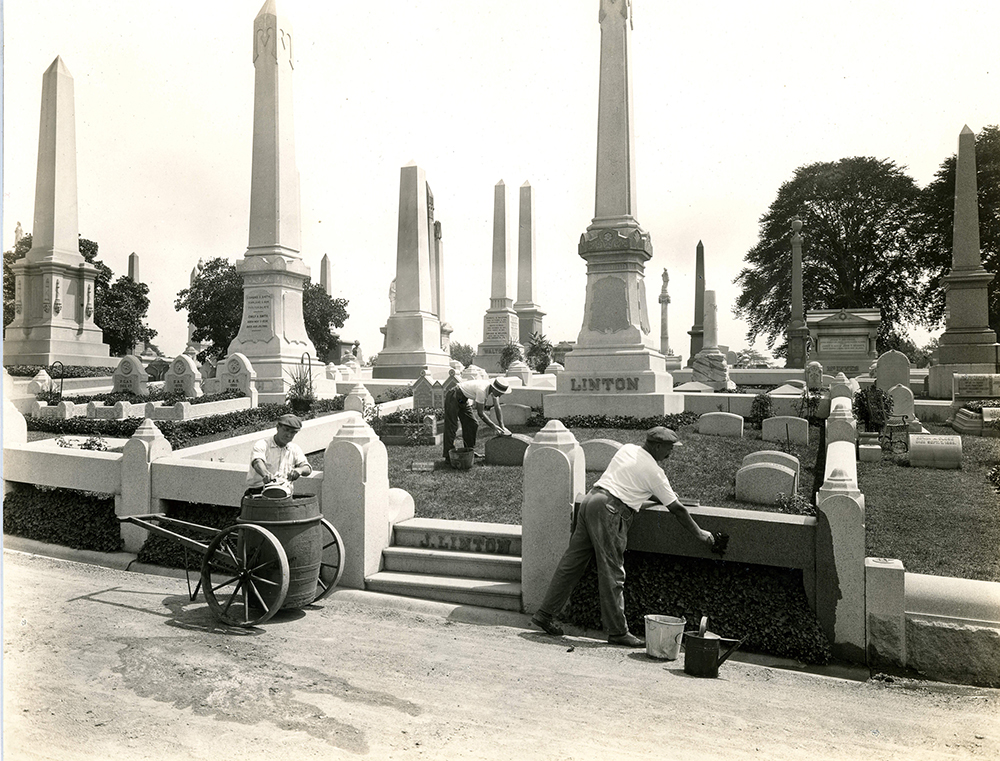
pixel 633 477
pixel 464 398
pixel 277 457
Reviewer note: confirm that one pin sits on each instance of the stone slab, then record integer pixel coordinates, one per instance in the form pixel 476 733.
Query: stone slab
pixel 762 483
pixel 721 424
pixel 929 451
pixel 785 428
pixel 773 456
pixel 507 450
pixel 694 387
pixel 869 452
pixel 598 453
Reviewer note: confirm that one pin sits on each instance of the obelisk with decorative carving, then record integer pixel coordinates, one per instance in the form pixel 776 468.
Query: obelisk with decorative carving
pixel 614 367
pixel 53 284
pixel 273 333
pixel 500 324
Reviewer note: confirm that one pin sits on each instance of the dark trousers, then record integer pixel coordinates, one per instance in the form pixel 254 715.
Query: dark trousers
pixel 601 533
pixel 456 407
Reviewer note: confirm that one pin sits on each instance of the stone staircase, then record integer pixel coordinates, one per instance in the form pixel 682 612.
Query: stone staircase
pixel 461 562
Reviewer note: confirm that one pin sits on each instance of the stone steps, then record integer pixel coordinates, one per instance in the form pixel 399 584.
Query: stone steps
pixel 461 562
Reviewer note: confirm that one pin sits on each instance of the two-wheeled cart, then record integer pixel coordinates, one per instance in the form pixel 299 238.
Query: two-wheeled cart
pixel 280 554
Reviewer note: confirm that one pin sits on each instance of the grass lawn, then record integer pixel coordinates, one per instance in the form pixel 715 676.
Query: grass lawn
pixel 939 522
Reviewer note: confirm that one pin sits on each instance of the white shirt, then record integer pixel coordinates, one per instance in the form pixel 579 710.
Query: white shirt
pixel 279 460
pixel 475 390
pixel 634 476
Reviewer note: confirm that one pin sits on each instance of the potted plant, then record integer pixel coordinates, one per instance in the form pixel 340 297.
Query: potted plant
pixel 300 393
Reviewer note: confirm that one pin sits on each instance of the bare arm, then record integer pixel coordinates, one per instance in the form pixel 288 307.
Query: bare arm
pixel 481 412
pixel 684 518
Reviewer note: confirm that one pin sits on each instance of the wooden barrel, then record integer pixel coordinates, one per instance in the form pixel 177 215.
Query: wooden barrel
pixel 295 523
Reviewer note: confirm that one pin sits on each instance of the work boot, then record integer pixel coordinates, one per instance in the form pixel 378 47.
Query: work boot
pixel 546 624
pixel 626 640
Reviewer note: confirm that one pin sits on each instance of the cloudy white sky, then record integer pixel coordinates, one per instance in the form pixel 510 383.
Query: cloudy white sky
pixel 729 99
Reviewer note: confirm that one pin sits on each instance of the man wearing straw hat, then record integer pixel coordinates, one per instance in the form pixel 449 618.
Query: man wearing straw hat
pixel 633 477
pixel 464 398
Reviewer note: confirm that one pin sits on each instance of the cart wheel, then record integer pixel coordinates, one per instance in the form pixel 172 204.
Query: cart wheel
pixel 331 566
pixel 245 575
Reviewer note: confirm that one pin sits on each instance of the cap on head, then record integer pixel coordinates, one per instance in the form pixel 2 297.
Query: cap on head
pixel 290 421
pixel 662 435
pixel 500 386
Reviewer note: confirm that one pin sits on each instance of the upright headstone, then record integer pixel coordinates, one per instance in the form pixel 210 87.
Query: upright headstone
pixel 500 324
pixel 272 332
pixel 53 284
pixel 892 368
pixel 709 365
pixel 798 333
pixel 237 374
pixel 671 360
pixel 614 367
pixel 697 331
pixel 814 376
pixel 326 275
pixel 968 345
pixel 413 330
pixel 183 377
pixel 529 316
pixel 130 377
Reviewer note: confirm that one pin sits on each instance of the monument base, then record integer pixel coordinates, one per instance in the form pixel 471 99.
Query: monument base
pixel 672 361
pixel 88 351
pixel 940 377
pixel 411 365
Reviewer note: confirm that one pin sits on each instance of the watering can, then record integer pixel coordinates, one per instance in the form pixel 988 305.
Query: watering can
pixel 701 651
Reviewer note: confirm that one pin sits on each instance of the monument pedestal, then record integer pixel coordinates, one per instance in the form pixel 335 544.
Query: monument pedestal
pixel 408 334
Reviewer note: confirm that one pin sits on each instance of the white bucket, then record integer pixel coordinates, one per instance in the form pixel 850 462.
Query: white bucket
pixel 663 636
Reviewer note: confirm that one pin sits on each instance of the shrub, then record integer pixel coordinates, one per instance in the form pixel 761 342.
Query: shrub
pixel 872 407
pixel 976 405
pixel 81 520
pixel 622 422
pixel 766 607
pixel 71 371
pixel 509 354
pixel 169 553
pixel 393 393
pixel 808 405
pixel 538 352
pixel 760 410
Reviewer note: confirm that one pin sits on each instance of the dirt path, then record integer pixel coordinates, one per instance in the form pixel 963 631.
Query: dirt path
pixel 102 664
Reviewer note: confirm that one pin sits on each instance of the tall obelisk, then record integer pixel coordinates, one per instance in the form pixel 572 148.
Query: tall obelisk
pixel 614 368
pixel 500 325
pixel 273 334
pixel 53 284
pixel 529 316
pixel 697 331
pixel 797 333
pixel 968 345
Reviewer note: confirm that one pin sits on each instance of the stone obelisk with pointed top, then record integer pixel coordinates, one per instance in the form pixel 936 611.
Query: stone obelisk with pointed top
pixel 273 333
pixel 968 345
pixel 798 333
pixel 413 330
pixel 529 315
pixel 614 367
pixel 53 284
pixel 697 331
pixel 500 324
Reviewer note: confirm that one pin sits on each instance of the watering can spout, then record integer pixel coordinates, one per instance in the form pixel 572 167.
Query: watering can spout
pixel 732 648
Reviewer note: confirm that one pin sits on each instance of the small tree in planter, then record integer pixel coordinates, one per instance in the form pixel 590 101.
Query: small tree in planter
pixel 300 393
pixel 872 408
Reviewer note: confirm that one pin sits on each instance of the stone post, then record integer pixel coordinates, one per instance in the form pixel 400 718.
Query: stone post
pixel 355 498
pixel 673 361
pixel 840 576
pixel 529 316
pixel 147 444
pixel 697 331
pixel 885 625
pixel 554 478
pixel 798 333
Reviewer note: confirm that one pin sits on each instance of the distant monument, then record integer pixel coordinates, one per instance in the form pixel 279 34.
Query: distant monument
pixel 697 331
pixel 413 330
pixel 797 333
pixel 967 346
pixel 709 365
pixel 843 340
pixel 672 361
pixel 500 324
pixel 529 316
pixel 614 369
pixel 193 347
pixel 446 328
pixel 53 283
pixel 273 333
pixel 326 275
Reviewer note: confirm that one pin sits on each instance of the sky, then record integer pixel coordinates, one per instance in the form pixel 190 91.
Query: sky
pixel 729 99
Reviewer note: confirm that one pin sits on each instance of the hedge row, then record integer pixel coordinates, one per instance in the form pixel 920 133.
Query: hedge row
pixel 155 395
pixel 169 553
pixel 181 434
pixel 618 421
pixel 976 405
pixel 764 606
pixel 63 516
pixel 70 371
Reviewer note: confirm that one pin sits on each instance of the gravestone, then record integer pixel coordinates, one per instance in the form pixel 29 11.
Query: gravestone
pixel 130 377
pixel 182 377
pixel 928 451
pixel 598 453
pixel 777 458
pixel 814 376
pixel 785 428
pixel 515 414
pixel 427 392
pixel 903 407
pixel 721 424
pixel 519 369
pixel 237 374
pixel 507 450
pixel 694 387
pixel 762 483
pixel 554 368
pixel 500 323
pixel 358 399
pixel 891 369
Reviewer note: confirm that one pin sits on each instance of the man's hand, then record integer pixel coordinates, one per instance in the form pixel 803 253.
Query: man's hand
pixel 706 537
pixel 293 474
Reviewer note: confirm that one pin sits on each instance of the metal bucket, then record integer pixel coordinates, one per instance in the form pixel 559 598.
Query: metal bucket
pixel 663 636
pixel 295 523
pixel 462 458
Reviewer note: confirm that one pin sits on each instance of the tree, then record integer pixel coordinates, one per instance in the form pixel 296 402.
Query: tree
pixel 538 352
pixel 119 310
pixel 858 251
pixel 935 224
pixel 509 354
pixel 214 303
pixel 751 358
pixel 464 353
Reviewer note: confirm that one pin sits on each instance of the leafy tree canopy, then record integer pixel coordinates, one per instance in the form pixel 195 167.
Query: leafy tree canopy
pixel 935 224
pixel 464 353
pixel 857 250
pixel 214 303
